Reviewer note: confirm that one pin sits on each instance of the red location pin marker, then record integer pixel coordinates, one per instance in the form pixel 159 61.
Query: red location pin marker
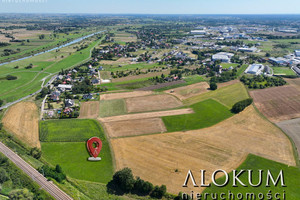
pixel 94 146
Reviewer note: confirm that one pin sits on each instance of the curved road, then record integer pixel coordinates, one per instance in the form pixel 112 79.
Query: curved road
pixel 50 187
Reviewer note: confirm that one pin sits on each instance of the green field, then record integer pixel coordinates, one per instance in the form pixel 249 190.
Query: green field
pixel 68 130
pixel 72 157
pixel 228 95
pixel 68 149
pixel 227 65
pixel 283 71
pixel 207 113
pixel 114 68
pixel 112 107
pixel 255 163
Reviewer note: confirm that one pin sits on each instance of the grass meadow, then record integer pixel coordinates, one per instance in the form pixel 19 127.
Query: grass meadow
pixel 64 143
pixel 69 130
pixel 207 113
pixel 112 107
pixel 283 70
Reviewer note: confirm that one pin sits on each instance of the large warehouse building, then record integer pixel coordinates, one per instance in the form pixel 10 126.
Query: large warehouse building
pixel 255 69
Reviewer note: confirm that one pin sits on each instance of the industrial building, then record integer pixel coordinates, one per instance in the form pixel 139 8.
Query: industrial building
pixel 247 49
pixel 297 53
pixel 280 61
pixel 222 56
pixel 255 69
pixel 198 32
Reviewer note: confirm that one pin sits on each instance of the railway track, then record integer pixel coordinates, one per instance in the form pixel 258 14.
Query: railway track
pixel 50 187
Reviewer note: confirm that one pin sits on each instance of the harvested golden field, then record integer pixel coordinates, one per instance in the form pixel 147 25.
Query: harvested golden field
pixel 135 127
pixel 278 103
pixel 223 146
pixel 22 121
pixel 147 115
pixel 151 103
pixel 124 95
pixel 189 91
pixel 89 110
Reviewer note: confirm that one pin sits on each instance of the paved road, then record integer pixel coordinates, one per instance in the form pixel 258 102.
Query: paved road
pixel 50 187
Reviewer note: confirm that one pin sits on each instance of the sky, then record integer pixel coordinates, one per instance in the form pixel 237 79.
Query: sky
pixel 152 6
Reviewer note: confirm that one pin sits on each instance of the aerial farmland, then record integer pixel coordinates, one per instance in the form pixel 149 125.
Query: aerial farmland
pixel 165 96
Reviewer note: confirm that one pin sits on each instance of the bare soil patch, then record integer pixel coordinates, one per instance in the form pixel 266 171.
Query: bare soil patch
pixel 147 115
pixel 124 95
pixel 151 103
pixel 135 127
pixel 278 103
pixel 89 110
pixel 22 121
pixel 223 146
pixel 189 91
pixel 220 85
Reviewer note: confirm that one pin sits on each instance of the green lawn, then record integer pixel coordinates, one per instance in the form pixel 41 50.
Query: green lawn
pixel 227 65
pixel 72 157
pixel 69 130
pixel 283 70
pixel 112 107
pixel 228 95
pixel 255 163
pixel 207 113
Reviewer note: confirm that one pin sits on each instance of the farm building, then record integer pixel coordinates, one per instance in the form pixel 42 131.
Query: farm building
pixel 223 57
pixel 247 49
pixel 255 69
pixel 279 61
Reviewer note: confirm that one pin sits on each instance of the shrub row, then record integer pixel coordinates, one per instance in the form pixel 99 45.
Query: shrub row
pixel 241 105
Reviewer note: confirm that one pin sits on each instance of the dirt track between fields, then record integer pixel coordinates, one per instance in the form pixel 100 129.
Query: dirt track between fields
pixel 147 115
pixel 155 158
pixel 22 120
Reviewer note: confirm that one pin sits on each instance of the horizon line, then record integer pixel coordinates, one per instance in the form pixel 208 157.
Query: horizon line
pixel 150 13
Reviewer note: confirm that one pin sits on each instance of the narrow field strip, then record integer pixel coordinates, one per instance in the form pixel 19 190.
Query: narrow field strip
pixel 147 115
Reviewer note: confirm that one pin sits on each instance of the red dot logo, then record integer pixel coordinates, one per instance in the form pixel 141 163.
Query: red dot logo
pixel 94 146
